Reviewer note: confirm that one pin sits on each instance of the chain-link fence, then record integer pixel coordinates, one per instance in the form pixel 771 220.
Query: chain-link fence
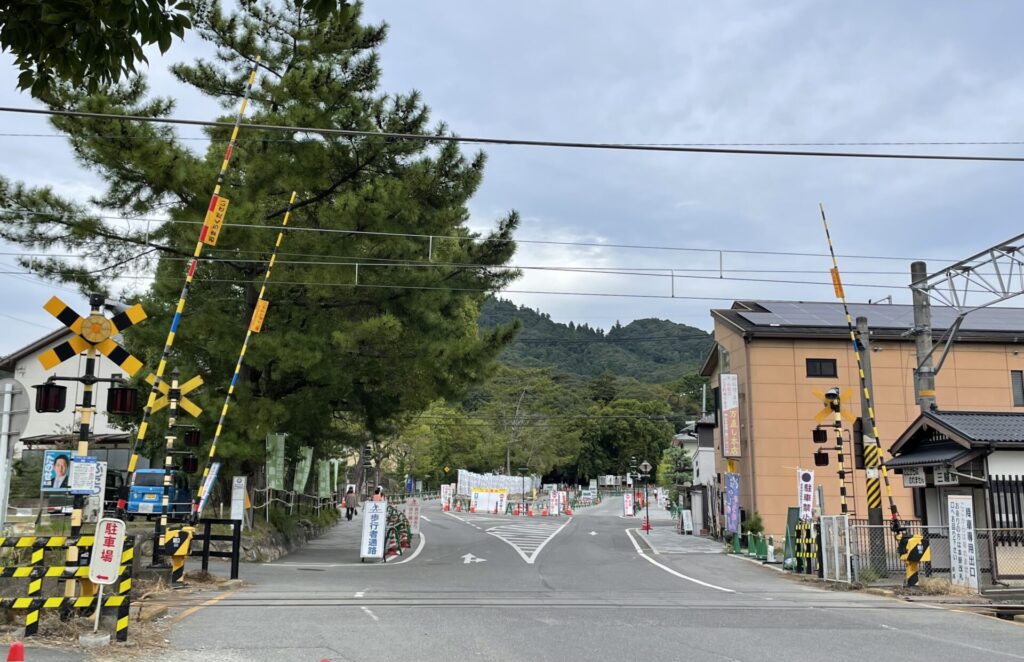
pixel 1002 552
pixel 876 558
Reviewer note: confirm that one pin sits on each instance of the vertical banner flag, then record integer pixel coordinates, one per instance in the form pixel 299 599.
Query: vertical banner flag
pixel 446 495
pixel 730 393
pixel 963 557
pixel 302 468
pixel 336 465
pixel 323 479
pixel 627 504
pixel 805 494
pixel 732 502
pixel 555 502
pixel 375 515
pixel 275 461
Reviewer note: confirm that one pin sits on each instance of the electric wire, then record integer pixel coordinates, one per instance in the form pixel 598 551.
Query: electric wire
pixel 437 138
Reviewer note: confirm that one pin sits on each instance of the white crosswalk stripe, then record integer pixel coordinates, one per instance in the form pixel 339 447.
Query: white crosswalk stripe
pixel 528 538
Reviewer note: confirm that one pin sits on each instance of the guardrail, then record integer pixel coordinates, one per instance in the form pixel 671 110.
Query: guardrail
pixel 36 571
pixel 207 536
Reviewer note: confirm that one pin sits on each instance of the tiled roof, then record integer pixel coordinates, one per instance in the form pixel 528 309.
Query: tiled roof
pixel 983 426
pixel 934 455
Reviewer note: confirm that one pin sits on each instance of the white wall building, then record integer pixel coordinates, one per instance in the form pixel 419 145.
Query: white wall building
pixel 42 429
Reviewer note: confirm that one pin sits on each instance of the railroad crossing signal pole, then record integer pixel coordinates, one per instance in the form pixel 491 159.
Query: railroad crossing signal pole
pixel 872 451
pixel 832 399
pixel 92 334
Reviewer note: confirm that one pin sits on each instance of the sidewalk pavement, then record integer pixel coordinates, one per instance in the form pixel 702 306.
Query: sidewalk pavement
pixel 339 544
pixel 664 539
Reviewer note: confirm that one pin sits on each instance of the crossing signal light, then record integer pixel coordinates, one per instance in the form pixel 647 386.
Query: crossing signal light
pixel 192 439
pixel 821 459
pixel 50 398
pixel 819 435
pixel 122 400
pixel 190 464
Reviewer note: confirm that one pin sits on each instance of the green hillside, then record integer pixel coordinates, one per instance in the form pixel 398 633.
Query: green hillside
pixel 650 350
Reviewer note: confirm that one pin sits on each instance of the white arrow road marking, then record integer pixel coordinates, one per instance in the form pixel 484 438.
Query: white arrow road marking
pixel 593 533
pixel 469 558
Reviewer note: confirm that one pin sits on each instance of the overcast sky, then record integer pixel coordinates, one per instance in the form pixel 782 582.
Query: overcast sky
pixel 681 72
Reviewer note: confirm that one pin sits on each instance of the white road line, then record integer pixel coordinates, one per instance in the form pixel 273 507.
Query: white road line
pixel 670 570
pixel 415 553
pixel 370 613
pixel 424 518
pixel 360 594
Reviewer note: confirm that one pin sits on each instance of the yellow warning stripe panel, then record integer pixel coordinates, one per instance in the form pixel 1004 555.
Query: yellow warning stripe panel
pixel 128 318
pixel 64 314
pixel 120 356
pixel 74 346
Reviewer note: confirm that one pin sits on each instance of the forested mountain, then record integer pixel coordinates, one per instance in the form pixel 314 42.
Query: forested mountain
pixel 650 350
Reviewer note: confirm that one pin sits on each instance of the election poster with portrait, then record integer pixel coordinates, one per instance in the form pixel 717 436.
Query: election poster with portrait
pixel 56 471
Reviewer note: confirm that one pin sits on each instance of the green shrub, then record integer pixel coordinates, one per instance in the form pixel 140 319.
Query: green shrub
pixel 753 524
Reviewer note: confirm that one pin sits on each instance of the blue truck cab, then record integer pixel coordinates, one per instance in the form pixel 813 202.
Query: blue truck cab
pixel 146 492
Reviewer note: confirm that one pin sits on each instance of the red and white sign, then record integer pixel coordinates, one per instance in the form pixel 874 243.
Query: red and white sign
pixel 805 494
pixel 105 560
pixel 412 513
pixel 627 504
pixel 553 502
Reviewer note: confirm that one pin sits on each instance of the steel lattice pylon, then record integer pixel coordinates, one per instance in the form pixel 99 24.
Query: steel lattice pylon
pixel 990 277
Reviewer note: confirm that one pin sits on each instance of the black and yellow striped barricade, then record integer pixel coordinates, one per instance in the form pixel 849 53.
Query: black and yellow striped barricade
pixel 177 547
pixel 806 547
pixel 914 550
pixel 36 571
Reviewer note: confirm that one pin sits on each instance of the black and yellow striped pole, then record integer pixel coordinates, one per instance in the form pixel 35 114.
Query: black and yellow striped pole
pixel 255 326
pixel 160 537
pixel 872 457
pixel 832 398
pixel 208 234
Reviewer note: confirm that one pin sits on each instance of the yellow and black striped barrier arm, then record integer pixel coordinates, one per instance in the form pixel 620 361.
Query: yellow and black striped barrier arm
pixel 207 234
pixel 872 451
pixel 255 326
pixel 48 541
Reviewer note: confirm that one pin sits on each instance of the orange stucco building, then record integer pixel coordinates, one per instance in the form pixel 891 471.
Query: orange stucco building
pixel 781 352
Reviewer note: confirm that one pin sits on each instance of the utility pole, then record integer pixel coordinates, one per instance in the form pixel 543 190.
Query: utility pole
pixel 512 436
pixel 924 376
pixel 872 450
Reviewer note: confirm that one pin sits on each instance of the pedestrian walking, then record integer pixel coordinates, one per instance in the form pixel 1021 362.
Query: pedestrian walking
pixel 378 494
pixel 351 503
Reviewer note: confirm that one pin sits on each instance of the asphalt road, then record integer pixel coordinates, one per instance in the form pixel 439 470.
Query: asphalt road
pixel 561 589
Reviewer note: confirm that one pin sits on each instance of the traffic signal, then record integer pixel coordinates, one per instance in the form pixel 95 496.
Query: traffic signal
pixel 821 459
pixel 121 400
pixel 192 439
pixel 190 464
pixel 819 435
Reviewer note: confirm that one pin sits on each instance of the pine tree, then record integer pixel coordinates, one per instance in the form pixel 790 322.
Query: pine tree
pixel 346 351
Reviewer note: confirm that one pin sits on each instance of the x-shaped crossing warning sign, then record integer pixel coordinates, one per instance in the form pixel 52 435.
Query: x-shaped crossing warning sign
pixel 94 331
pixel 163 400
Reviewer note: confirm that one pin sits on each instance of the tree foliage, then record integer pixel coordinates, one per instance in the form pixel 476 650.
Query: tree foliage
pixel 344 357
pixel 94 43
pixel 649 350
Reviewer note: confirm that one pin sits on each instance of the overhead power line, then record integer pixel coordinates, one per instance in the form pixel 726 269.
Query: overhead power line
pixel 509 141
pixel 430 237
pixel 828 143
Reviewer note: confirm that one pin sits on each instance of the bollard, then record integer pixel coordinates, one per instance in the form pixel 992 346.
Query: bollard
pixel 770 551
pixel 735 543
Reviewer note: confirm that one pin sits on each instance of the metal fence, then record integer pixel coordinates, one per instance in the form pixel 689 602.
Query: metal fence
pixel 836 557
pixel 876 558
pixel 1002 551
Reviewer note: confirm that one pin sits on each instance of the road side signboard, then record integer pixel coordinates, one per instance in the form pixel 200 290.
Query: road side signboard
pixel 105 560
pixel 687 521
pixel 82 478
pixel 730 394
pixel 627 504
pixel 963 558
pixel 375 523
pixel 805 494
pixel 412 513
pixel 914 477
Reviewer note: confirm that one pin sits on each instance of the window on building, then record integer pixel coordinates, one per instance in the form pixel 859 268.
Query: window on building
pixel 821 368
pixel 1017 380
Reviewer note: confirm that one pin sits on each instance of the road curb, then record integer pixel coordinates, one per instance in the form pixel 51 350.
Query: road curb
pixel 776 567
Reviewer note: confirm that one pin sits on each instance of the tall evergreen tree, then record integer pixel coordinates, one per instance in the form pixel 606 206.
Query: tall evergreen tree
pixel 342 343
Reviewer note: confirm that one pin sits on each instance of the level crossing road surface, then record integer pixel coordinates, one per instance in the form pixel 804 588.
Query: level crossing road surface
pixel 487 587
